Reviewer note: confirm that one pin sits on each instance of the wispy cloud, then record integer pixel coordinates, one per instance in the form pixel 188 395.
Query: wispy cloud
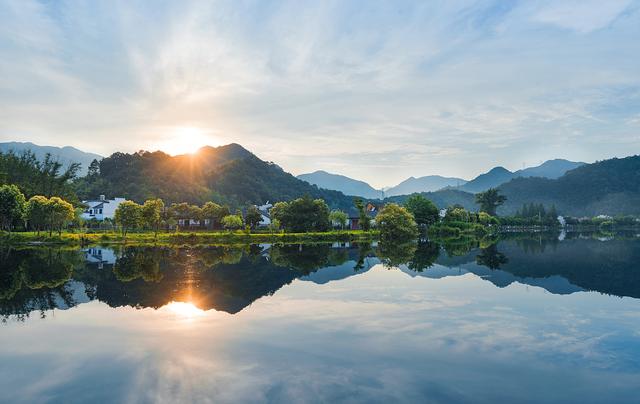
pixel 443 88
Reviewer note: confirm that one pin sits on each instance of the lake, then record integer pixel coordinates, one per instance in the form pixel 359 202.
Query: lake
pixel 531 318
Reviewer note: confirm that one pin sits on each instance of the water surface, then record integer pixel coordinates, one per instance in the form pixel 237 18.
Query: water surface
pixel 530 319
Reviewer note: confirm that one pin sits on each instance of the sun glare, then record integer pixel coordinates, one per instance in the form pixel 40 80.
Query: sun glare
pixel 186 140
pixel 184 309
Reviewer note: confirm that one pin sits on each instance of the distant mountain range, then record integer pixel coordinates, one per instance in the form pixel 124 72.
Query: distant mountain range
pixel 551 169
pixel 66 155
pixel 427 183
pixel 610 187
pixel 346 185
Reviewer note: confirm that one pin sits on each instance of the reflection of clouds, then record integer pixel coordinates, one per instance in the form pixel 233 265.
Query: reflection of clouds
pixel 381 336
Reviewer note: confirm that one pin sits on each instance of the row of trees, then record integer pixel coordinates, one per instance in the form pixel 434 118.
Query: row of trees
pixel 39 212
pixel 152 215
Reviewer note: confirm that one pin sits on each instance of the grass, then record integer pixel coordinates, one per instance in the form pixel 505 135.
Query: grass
pixel 177 238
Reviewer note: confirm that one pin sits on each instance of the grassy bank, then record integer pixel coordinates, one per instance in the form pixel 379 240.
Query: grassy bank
pixel 200 237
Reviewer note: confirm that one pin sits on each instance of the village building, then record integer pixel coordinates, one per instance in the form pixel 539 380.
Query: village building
pixel 101 208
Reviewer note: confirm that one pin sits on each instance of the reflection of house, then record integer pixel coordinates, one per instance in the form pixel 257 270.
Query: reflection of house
pixel 101 208
pixel 100 256
pixel 353 222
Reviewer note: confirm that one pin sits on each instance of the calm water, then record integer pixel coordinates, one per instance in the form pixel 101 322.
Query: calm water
pixel 531 319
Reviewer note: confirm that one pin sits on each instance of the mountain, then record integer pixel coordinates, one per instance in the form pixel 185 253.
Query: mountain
pixel 496 176
pixel 609 187
pixel 65 155
pixel 442 198
pixel 551 169
pixel 491 179
pixel 346 185
pixel 226 174
pixel 428 183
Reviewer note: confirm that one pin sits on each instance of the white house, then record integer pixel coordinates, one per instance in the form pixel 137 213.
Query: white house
pixel 101 208
pixel 264 212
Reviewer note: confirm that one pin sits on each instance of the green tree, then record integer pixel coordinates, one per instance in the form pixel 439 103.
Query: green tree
pixel 38 212
pixel 396 223
pixel 60 212
pixel 364 221
pixel 302 214
pixel 214 213
pixel 151 214
pixel 232 222
pixel 253 216
pixel 424 211
pixel 12 206
pixel 489 200
pixel 457 213
pixel 128 216
pixel 339 217
pixel 274 225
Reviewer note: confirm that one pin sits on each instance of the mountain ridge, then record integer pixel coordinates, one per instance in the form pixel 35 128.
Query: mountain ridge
pixel 65 154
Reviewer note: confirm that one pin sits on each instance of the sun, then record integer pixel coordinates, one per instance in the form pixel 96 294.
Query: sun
pixel 185 140
pixel 184 309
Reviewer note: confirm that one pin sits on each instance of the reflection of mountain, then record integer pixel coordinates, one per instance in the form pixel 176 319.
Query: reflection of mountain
pixel 230 279
pixel 559 267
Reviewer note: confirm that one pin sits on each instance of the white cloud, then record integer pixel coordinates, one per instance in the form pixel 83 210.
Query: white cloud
pixel 423 87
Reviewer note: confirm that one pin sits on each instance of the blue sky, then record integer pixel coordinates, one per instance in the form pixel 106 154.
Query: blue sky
pixel 374 90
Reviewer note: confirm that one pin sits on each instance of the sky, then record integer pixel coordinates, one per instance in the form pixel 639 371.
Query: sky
pixel 376 90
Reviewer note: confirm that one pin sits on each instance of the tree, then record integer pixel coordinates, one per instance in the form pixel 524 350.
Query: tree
pixel 94 169
pixel 38 212
pixel 232 222
pixel 152 214
pixel 302 214
pixel 363 218
pixel 274 225
pixel 396 223
pixel 253 216
pixel 12 206
pixel 339 217
pixel 214 213
pixel 456 213
pixel 128 215
pixel 60 213
pixel 487 219
pixel 423 210
pixel 489 200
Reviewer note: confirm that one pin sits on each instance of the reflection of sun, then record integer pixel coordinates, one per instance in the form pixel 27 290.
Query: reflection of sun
pixel 185 140
pixel 184 309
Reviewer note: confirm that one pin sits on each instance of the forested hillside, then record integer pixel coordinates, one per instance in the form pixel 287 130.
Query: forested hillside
pixel 227 174
pixel 607 187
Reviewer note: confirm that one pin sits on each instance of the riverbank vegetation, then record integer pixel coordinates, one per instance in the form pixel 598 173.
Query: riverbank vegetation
pixel 301 219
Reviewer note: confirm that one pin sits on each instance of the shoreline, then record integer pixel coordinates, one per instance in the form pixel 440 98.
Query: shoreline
pixel 200 237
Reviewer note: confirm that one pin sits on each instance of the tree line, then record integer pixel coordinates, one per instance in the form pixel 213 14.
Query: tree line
pixel 39 212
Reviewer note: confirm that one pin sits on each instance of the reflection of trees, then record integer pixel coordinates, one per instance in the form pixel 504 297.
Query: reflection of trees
pixel 34 279
pixel 364 249
pixel 424 257
pixel 491 258
pixel 459 247
pixel 140 262
pixel 394 254
pixel 47 268
pixel 305 258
